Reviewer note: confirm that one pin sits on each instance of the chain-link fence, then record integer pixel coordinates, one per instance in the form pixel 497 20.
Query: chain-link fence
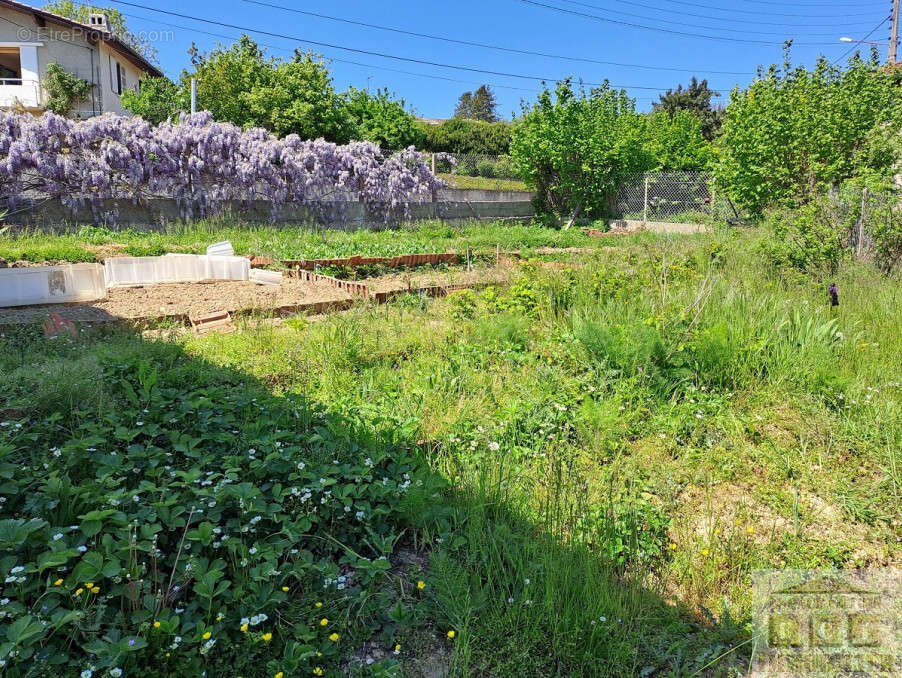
pixel 869 223
pixel 474 165
pixel 671 196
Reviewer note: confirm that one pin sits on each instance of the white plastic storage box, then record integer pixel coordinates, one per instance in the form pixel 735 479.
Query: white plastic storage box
pixel 51 284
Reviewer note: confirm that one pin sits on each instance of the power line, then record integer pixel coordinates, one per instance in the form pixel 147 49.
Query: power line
pixel 858 45
pixel 730 19
pixel 336 59
pixel 682 12
pixel 758 12
pixel 430 76
pixel 660 30
pixel 499 48
pixel 802 4
pixel 700 26
pixel 374 53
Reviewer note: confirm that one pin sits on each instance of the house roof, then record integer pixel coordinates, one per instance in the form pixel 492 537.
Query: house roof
pixel 93 34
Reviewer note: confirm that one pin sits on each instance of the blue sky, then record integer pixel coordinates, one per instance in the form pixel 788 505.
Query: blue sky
pixel 733 31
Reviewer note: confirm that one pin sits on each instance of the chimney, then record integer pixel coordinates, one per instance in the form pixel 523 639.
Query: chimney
pixel 99 22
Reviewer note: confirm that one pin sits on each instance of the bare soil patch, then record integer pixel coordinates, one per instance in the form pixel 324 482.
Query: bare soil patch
pixel 179 300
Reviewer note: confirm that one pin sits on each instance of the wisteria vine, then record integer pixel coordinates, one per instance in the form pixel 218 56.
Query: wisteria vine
pixel 200 163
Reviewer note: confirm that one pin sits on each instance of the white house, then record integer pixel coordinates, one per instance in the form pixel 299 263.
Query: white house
pixel 31 38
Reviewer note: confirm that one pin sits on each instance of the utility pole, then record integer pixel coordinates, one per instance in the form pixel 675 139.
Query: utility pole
pixel 194 91
pixel 894 33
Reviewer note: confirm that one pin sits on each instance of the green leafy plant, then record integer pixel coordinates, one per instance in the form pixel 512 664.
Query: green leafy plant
pixel 64 90
pixel 795 132
pixel 575 148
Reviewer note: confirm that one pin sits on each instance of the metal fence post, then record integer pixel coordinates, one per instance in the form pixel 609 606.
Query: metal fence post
pixel 645 203
pixel 864 198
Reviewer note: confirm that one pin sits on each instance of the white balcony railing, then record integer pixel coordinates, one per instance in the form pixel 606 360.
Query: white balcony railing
pixel 15 91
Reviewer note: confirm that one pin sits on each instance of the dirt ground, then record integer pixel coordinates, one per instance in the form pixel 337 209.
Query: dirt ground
pixel 178 300
pixel 400 281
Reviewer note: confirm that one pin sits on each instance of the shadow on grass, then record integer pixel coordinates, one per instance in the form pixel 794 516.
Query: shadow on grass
pixel 520 601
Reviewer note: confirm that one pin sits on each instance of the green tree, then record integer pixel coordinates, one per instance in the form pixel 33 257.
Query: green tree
pixel 468 136
pixel 677 141
pixel 793 132
pixel 156 100
pixel 575 148
pixel 478 105
pixel 696 98
pixel 382 119
pixel 80 12
pixel 240 84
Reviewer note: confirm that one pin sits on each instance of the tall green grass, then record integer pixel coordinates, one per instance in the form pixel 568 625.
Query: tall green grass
pixel 633 435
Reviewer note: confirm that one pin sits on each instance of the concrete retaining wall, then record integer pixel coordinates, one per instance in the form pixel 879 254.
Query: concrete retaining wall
pixel 481 195
pixel 52 216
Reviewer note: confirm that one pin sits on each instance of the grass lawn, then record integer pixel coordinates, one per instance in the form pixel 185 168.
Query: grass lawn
pixel 488 184
pixel 93 243
pixel 575 475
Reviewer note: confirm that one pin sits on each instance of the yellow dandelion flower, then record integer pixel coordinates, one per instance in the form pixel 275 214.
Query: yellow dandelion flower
pixel 334 637
pixel 323 621
pixel 717 532
pixel 318 671
pixel 156 624
pixel 278 675
pixel 285 588
pixel 95 590
pixel 451 634
pixel 244 628
pixel 267 636
pixel 751 530
pixel 421 585
pixel 319 604
pixel 207 635
pixel 398 647
pixel 89 585
pixel 58 582
pixel 705 552
pixel 673 546
pixel 79 591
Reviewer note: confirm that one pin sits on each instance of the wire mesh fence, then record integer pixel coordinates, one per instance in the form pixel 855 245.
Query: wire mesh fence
pixel 869 223
pixel 670 196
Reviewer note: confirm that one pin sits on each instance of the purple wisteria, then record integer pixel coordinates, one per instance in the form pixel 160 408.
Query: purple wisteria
pixel 200 163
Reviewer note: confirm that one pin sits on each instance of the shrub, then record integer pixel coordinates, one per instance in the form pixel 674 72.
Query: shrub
pixel 504 168
pixel 485 168
pixel 795 132
pixel 574 149
pixel 808 238
pixel 200 163
pixel 463 304
pixel 468 136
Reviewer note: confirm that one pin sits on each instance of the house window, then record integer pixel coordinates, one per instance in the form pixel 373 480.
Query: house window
pixel 10 66
pixel 117 77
